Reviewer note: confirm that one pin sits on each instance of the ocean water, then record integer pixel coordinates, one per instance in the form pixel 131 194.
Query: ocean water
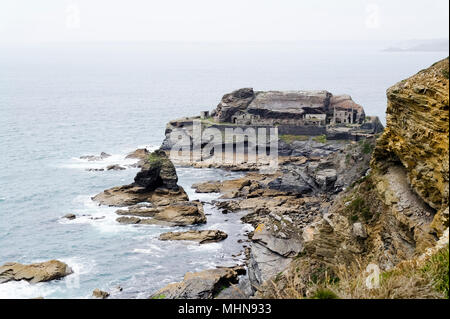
pixel 59 102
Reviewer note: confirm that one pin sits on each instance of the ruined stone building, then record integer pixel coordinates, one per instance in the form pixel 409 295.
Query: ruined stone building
pixel 300 108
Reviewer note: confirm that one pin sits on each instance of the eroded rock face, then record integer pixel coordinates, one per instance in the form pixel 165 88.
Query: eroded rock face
pixel 39 272
pixel 157 171
pixel 233 102
pixel 417 133
pixel 201 285
pixel 203 237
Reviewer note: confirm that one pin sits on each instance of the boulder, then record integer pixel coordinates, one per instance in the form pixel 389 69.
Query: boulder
pixel 201 285
pixel 203 236
pixel 100 294
pixel 326 179
pixel 38 272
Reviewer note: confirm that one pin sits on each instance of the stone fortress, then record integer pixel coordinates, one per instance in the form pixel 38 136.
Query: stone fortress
pixel 317 108
pixel 295 112
pixel 299 114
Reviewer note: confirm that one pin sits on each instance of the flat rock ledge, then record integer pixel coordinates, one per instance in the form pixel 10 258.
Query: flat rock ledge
pixel 201 285
pixel 170 214
pixel 34 273
pixel 203 236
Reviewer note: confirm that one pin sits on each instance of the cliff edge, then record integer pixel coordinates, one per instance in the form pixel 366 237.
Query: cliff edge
pixel 392 221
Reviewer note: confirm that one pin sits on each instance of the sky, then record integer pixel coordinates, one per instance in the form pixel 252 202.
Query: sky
pixel 44 21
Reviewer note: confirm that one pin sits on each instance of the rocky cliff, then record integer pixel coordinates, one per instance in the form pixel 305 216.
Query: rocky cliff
pixel 393 215
pixel 417 136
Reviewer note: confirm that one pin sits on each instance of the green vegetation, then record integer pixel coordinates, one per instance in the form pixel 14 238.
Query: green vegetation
pixel 161 296
pixel 445 73
pixel 154 159
pixel 320 139
pixel 324 293
pixel 278 276
pixel 287 138
pixel 359 207
pixel 367 148
pixel 437 268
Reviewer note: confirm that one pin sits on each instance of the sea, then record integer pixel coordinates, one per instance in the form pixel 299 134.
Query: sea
pixel 60 101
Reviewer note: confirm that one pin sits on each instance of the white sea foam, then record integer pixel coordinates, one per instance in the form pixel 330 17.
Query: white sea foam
pixel 101 217
pixel 119 159
pixel 24 290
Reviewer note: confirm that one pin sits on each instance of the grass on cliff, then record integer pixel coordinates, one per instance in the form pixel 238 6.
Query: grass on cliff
pixel 154 159
pixel 320 139
pixel 408 280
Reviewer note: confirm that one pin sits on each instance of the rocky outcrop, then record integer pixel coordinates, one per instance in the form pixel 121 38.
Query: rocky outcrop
pixel 170 213
pixel 417 136
pixel 34 273
pixel 233 102
pixel 396 211
pixel 128 195
pixel 154 197
pixel 156 181
pixel 157 171
pixel 202 237
pixel 140 153
pixel 201 285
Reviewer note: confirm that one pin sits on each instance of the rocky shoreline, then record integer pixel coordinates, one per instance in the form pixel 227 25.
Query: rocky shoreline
pixel 333 203
pixel 354 195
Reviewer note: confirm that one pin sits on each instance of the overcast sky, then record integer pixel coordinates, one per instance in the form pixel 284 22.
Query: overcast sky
pixel 31 21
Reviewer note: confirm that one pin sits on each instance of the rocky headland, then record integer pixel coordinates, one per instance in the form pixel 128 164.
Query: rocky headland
pixel 345 194
pixel 339 202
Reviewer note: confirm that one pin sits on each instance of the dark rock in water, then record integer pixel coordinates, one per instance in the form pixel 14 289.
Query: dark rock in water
pixel 39 272
pixel 201 285
pixel 203 237
pixel 97 293
pixel 91 158
pixel 70 216
pixel 157 171
pixel 115 167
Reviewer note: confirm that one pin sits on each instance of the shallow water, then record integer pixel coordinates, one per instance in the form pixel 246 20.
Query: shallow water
pixel 59 103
